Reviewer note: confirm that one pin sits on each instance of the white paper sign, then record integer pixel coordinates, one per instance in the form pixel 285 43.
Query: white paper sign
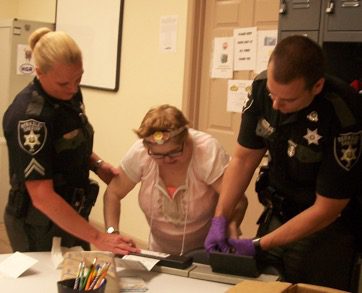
pixel 245 48
pixel 223 58
pixel 267 41
pixel 168 33
pixel 238 91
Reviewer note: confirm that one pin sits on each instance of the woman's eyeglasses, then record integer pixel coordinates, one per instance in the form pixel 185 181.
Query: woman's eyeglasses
pixel 172 154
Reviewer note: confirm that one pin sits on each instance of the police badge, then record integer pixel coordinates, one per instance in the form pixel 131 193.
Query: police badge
pixel 32 135
pixel 347 149
pixel 263 128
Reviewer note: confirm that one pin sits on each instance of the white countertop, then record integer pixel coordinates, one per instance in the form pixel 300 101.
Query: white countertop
pixel 43 277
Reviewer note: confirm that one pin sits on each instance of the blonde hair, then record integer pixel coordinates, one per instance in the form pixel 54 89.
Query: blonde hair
pixel 164 118
pixel 49 47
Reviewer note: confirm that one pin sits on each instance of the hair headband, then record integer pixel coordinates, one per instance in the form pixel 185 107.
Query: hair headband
pixel 160 137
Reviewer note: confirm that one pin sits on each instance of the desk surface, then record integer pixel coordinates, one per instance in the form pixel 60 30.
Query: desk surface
pixel 43 277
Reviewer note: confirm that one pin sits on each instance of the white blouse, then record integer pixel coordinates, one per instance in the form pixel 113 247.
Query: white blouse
pixel 181 223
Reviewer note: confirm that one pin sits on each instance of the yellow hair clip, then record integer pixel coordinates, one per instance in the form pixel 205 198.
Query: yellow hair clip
pixel 159 137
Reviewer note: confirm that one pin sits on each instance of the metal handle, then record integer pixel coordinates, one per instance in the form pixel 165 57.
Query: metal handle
pixel 350 3
pixel 283 7
pixel 330 7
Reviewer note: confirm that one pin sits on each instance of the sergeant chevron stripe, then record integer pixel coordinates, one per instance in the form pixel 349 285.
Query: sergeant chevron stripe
pixel 34 166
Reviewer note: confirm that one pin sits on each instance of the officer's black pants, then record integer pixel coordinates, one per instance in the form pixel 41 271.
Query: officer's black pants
pixel 325 258
pixel 35 232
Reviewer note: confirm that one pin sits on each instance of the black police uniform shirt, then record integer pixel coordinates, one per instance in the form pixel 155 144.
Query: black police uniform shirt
pixel 48 138
pixel 317 149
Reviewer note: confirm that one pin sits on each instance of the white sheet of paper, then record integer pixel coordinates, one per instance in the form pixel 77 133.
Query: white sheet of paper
pixel 136 262
pixel 16 264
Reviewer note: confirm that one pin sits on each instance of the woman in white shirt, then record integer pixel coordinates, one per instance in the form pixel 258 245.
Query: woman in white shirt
pixel 180 170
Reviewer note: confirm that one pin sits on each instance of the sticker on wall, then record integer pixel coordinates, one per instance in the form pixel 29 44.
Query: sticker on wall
pixel 24 62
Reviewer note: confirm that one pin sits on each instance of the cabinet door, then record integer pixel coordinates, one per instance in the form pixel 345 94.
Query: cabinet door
pixel 296 15
pixel 342 20
pixel 314 35
pixel 344 15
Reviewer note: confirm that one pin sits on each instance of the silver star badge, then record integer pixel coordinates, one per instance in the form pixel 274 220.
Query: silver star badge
pixel 312 136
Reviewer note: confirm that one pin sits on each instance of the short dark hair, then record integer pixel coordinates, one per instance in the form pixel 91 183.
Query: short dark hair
pixel 296 57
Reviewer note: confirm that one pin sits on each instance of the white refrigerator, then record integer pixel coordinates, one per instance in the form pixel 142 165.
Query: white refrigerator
pixel 16 71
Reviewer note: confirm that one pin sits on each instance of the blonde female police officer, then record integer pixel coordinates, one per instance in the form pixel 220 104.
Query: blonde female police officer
pixel 50 154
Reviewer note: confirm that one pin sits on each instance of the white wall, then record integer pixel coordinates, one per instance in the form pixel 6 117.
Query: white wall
pixel 148 78
pixel 40 10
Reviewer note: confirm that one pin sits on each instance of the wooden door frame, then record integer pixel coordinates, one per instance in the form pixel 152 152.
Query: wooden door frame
pixel 193 60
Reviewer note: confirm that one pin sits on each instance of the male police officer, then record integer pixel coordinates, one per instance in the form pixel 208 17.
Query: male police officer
pixel 310 124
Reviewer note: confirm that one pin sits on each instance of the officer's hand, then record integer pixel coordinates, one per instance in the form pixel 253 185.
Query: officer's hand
pixel 116 243
pixel 106 172
pixel 216 238
pixel 242 246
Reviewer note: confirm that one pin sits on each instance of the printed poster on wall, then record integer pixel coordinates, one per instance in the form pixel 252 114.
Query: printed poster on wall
pixel 245 45
pixel 267 41
pixel 222 60
pixel 238 91
pixel 168 33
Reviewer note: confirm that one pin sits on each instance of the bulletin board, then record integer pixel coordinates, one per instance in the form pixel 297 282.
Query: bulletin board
pixel 96 26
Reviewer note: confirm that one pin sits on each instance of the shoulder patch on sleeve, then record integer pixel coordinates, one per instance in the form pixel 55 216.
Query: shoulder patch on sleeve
pixel 32 135
pixel 347 149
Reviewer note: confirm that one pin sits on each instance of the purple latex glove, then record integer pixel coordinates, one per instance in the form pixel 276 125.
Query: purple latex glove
pixel 216 238
pixel 243 246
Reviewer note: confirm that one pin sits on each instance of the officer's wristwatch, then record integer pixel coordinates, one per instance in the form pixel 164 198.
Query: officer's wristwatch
pixel 112 230
pixel 97 165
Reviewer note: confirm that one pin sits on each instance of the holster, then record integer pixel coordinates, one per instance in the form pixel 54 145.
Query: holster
pixel 82 200
pixel 19 199
pixel 18 203
pixel 274 202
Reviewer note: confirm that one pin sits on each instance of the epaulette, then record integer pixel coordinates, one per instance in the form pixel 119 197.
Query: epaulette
pixel 36 104
pixel 342 110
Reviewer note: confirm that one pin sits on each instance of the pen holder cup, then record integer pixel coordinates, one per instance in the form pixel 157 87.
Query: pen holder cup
pixel 66 286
